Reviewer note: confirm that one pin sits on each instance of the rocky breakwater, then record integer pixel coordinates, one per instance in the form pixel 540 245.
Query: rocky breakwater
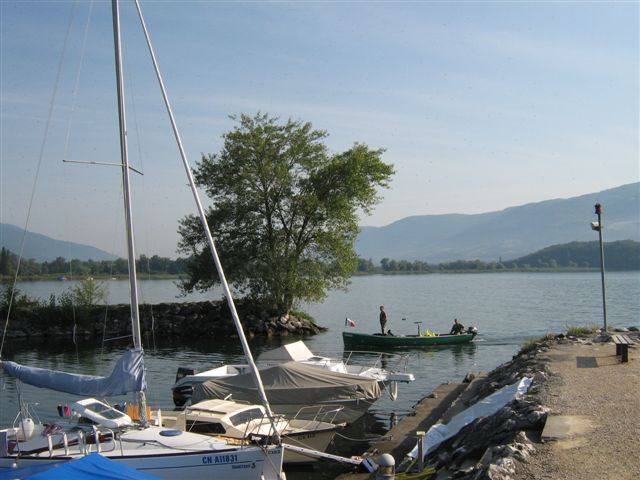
pixel 174 321
pixel 492 447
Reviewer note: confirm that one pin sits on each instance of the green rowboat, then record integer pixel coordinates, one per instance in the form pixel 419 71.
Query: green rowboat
pixel 351 339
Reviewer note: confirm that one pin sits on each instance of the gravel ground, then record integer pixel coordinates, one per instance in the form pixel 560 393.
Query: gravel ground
pixel 587 380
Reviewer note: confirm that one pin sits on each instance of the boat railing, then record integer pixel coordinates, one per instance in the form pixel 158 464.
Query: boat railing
pixel 364 360
pixel 254 428
pixel 318 413
pixel 56 439
pixel 311 415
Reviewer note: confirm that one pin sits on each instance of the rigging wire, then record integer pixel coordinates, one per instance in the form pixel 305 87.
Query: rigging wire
pixel 37 173
pixel 141 157
pixel 74 94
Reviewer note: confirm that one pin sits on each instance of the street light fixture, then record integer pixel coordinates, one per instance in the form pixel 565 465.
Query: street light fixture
pixel 597 226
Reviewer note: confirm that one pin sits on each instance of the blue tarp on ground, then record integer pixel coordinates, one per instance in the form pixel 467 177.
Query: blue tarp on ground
pixel 91 467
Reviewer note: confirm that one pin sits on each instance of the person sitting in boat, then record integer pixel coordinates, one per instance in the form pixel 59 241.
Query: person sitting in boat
pixel 383 318
pixel 457 328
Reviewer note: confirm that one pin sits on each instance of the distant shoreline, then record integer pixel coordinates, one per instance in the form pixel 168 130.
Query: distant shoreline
pixel 53 277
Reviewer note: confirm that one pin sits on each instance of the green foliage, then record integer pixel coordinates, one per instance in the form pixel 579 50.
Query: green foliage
pixel 530 345
pixel 154 265
pixel 15 298
pixel 582 330
pixel 88 293
pixel 285 211
pixel 620 255
pixel 304 315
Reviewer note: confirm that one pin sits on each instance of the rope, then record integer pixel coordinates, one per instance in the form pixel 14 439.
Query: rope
pixel 369 439
pixel 37 175
pixel 426 473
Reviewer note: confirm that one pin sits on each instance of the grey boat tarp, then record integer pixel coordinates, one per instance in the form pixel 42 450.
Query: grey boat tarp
pixel 127 376
pixel 290 383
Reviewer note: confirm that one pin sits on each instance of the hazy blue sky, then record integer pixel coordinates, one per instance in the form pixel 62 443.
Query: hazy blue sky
pixel 480 105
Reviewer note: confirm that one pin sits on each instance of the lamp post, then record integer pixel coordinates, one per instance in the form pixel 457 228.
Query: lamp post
pixel 598 227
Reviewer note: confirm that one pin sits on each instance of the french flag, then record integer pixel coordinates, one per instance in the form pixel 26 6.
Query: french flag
pixel 349 323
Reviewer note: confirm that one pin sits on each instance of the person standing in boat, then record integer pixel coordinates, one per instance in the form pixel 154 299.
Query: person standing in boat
pixel 383 318
pixel 457 328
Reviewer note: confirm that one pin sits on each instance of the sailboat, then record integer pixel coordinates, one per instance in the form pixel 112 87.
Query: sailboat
pixel 93 426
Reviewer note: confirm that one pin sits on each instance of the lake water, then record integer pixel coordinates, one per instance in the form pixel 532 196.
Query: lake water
pixel 507 308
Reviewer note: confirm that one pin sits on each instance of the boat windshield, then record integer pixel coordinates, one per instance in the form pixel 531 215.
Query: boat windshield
pixel 103 410
pixel 246 416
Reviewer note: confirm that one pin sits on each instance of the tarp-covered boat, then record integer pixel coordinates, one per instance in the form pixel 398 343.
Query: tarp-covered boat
pixel 292 385
pixel 365 366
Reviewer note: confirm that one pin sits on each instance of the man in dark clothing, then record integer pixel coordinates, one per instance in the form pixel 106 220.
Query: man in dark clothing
pixel 383 319
pixel 457 327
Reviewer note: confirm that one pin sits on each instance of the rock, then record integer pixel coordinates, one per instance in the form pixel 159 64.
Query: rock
pixel 634 329
pixel 464 472
pixel 496 472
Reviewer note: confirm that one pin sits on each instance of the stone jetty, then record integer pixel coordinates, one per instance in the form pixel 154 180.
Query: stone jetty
pixel 177 321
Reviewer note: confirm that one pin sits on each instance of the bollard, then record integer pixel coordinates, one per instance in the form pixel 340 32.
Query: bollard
pixel 386 467
pixel 420 435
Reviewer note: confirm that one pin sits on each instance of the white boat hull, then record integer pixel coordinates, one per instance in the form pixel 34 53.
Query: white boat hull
pixel 184 456
pixel 312 440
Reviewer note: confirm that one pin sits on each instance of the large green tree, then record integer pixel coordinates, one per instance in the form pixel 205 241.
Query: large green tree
pixel 285 211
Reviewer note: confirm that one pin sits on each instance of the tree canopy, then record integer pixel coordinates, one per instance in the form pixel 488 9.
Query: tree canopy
pixel 285 211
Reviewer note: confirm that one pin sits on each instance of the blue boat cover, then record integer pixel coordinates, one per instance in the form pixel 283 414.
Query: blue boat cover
pixel 91 467
pixel 127 376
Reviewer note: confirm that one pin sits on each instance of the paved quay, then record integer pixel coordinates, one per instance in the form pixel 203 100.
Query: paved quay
pixel 579 421
pixel 597 400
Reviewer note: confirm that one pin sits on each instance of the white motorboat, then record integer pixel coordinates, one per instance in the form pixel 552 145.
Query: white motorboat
pixel 93 426
pixel 371 369
pixel 311 428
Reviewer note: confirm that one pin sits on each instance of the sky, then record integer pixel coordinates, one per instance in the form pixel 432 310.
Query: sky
pixel 480 106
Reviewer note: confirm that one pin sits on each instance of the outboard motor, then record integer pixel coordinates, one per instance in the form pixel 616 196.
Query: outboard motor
pixel 183 372
pixel 182 393
pixel 473 330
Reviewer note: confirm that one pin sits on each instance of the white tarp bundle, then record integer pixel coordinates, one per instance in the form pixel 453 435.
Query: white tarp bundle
pixel 292 352
pixel 484 408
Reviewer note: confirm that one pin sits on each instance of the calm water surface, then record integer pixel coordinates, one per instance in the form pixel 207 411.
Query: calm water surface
pixel 507 308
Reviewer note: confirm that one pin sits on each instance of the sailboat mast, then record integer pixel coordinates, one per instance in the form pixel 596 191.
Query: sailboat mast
pixel 124 156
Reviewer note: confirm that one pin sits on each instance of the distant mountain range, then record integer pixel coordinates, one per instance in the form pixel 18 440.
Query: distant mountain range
pixel 45 249
pixel 506 234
